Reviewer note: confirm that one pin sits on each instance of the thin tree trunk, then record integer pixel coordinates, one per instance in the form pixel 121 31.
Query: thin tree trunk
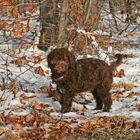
pixel 63 24
pixel 88 5
pixel 97 5
pixel 112 11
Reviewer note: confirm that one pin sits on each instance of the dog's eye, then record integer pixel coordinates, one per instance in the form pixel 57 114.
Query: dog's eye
pixel 53 62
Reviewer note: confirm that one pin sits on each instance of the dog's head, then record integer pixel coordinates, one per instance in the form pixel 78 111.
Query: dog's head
pixel 60 60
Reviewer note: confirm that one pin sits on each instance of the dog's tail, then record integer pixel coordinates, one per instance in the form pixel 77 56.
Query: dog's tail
pixel 115 64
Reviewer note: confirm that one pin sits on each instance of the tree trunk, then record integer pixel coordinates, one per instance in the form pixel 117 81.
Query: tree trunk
pixel 63 24
pixel 112 11
pixel 97 6
pixel 87 7
pixel 49 18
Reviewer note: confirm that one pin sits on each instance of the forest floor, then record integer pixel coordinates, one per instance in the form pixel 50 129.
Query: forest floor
pixel 29 106
pixel 29 109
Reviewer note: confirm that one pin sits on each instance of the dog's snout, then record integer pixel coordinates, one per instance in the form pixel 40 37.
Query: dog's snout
pixel 59 68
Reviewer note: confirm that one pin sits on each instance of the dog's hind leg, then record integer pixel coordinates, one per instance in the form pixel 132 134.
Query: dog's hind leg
pixel 105 97
pixel 107 102
pixel 99 102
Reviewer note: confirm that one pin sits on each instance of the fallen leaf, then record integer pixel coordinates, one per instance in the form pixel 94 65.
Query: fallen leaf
pixel 120 74
pixel 24 96
pixel 12 53
pixel 29 117
pixel 37 59
pixel 38 106
pixel 2 99
pixel 2 131
pixel 2 87
pixel 40 71
pixel 20 61
pixel 17 126
pixel 2 120
pixel 128 86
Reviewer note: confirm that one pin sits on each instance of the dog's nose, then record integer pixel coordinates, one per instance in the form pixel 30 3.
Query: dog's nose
pixel 59 68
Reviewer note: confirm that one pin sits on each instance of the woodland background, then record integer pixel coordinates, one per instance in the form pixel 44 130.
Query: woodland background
pixel 29 29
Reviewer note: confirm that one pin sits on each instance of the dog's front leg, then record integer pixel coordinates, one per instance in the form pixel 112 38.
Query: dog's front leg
pixel 66 102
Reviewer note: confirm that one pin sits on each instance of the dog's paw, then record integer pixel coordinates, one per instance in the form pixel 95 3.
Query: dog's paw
pixel 65 110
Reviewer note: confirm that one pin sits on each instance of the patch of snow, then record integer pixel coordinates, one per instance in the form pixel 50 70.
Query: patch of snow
pixel 136 89
pixel 77 106
pixel 100 32
pixel 56 105
pixel 56 114
pixel 71 114
pixel 90 107
pixel 15 102
pixel 136 115
pixel 23 113
pixel 117 106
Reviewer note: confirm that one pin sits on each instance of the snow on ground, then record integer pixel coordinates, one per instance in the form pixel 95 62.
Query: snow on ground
pixel 30 100
pixel 84 104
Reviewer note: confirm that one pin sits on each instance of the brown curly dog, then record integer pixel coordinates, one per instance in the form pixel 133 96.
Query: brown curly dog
pixel 74 76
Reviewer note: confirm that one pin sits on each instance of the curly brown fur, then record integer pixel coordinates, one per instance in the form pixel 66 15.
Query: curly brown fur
pixel 73 77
